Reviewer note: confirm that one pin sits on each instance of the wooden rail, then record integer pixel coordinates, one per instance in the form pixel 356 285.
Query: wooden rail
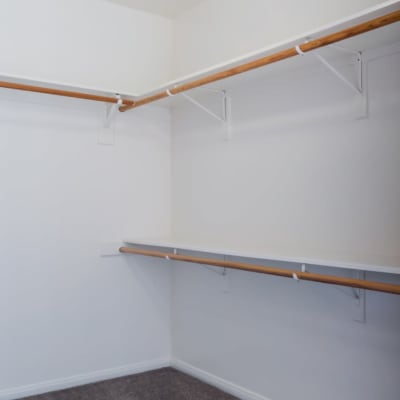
pixel 65 93
pixel 306 276
pixel 279 56
pixel 261 62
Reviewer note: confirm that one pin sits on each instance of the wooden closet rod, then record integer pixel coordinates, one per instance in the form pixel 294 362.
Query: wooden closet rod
pixel 280 55
pixel 65 93
pixel 306 276
pixel 272 58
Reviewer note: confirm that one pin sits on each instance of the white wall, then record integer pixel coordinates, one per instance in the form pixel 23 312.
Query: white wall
pixel 86 43
pixel 300 176
pixel 285 340
pixel 66 313
pixel 217 31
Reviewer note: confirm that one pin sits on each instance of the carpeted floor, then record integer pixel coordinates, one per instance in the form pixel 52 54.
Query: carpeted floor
pixel 161 384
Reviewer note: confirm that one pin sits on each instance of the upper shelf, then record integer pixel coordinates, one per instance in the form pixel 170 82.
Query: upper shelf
pixel 384 36
pixel 261 255
pixel 374 19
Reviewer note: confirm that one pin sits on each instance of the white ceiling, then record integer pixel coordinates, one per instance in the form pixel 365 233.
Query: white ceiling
pixel 166 8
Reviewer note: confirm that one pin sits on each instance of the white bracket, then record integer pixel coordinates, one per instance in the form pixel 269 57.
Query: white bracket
pixel 111 111
pixel 359 87
pixel 225 277
pixel 357 295
pixel 359 303
pixel 303 269
pixel 106 135
pixel 226 113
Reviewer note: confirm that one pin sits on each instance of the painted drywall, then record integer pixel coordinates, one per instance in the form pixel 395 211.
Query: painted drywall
pixel 169 9
pixel 69 315
pixel 301 175
pixel 284 340
pixel 93 44
pixel 216 31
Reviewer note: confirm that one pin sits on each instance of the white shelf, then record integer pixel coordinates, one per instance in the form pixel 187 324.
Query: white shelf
pixel 375 39
pixel 385 36
pixel 262 255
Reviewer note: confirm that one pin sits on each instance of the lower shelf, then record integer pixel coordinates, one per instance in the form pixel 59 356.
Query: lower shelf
pixel 261 255
pixel 288 273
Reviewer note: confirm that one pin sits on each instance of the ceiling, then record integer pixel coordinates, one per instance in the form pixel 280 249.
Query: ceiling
pixel 166 8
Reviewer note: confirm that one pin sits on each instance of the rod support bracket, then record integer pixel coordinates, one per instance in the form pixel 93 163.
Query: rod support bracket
pixel 111 111
pixel 359 87
pixel 359 300
pixel 226 112
pixel 106 136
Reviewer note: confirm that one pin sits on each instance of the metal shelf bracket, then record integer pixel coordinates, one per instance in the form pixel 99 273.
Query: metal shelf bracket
pixel 226 112
pixel 359 301
pixel 111 111
pixel 359 87
pixel 358 307
pixel 106 136
pixel 356 87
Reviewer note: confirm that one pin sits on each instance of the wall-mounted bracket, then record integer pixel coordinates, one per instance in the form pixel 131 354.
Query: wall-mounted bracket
pixel 225 278
pixel 359 87
pixel 355 87
pixel 111 111
pixel 225 116
pixel 359 300
pixel 357 295
pixel 106 135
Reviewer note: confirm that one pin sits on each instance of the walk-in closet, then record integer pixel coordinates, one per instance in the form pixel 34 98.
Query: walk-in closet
pixel 200 200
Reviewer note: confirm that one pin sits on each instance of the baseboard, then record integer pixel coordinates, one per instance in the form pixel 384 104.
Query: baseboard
pixel 91 377
pixel 83 379
pixel 226 386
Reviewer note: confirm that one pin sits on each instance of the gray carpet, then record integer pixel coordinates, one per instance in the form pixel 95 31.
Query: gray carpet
pixel 161 384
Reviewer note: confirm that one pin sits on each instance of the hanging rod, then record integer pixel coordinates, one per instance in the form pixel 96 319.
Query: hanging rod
pixel 298 275
pixel 65 93
pixel 272 58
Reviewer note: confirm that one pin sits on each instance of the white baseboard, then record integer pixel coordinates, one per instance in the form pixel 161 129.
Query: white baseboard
pixel 226 386
pixel 83 379
pixel 91 377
